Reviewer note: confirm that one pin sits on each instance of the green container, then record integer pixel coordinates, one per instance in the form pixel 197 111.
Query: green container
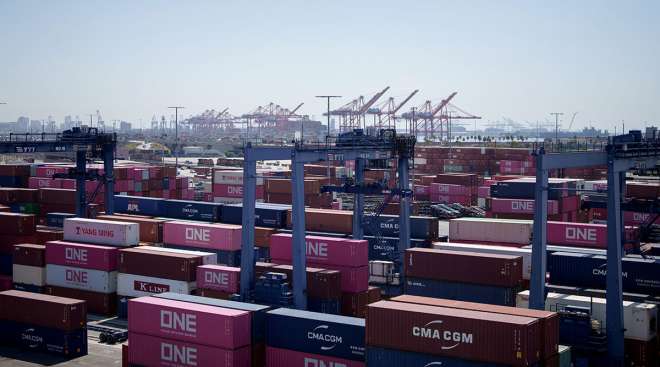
pixel 28 208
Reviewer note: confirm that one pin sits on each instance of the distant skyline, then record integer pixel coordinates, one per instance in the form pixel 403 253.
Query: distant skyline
pixel 506 59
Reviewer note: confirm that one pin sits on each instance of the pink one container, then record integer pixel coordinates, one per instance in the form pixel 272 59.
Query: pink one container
pixel 520 206
pixel 276 357
pixel 145 350
pixel 46 171
pixel 451 199
pixel 323 250
pixel 584 234
pixel 483 191
pixel 353 279
pixel 449 189
pixel 40 182
pixel 218 277
pixel 213 236
pixel 230 191
pixel 81 255
pixel 189 322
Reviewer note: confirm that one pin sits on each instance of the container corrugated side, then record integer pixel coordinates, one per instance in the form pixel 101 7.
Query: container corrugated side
pixel 278 357
pixel 208 258
pixel 212 236
pixel 525 254
pixel 79 278
pixel 384 357
pixel 503 296
pixel 81 255
pixel 139 205
pixel 490 230
pixel 218 277
pixel 169 265
pixel 29 275
pixel 323 250
pixel 131 285
pixel 42 339
pixel 43 310
pixel 102 232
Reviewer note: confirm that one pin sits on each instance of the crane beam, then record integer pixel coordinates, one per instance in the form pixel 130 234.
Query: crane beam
pixel 404 102
pixel 370 103
pixel 443 104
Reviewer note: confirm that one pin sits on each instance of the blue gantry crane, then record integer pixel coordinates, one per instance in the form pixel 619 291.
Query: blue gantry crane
pixel 621 154
pixel 354 145
pixel 84 141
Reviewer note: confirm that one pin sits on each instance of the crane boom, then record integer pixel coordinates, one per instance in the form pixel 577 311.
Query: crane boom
pixel 370 103
pixel 296 109
pixel 443 104
pixel 404 101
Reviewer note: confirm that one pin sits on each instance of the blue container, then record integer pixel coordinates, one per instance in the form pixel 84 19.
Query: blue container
pixel 386 248
pixel 229 258
pixel 383 357
pixel 122 307
pixel 57 219
pixel 317 333
pixel 524 189
pixel 13 181
pixel 574 330
pixel 388 226
pixel 324 305
pixel 262 254
pixel 166 183
pixel 257 312
pixel 37 338
pixel 265 214
pixel 193 210
pixel 139 205
pixel 461 291
pixel 6 264
pixel 589 271
pixel 28 288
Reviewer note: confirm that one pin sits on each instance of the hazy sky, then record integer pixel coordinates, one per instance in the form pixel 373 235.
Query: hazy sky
pixel 517 59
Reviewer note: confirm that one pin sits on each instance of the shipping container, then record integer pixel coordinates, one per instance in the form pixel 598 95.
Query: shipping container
pixel 193 210
pixel 84 279
pixel 42 310
pixel 27 288
pixel 524 188
pixel 17 224
pixel 29 254
pixel 322 250
pixel 151 230
pixel 266 214
pixel 278 357
pixel 169 265
pixel 384 357
pixel 388 226
pixel 148 350
pixel 639 319
pixel 81 255
pixel 211 236
pixel 355 304
pixel 520 206
pixel 503 296
pixel 97 303
pixel 321 283
pixel 219 278
pixel 189 322
pixel 131 285
pixel 316 333
pixel 36 338
pixel 208 258
pixel 29 275
pixel 102 232
pixel 139 205
pixel 491 230
pixel 229 258
pixel 386 248
pixel 525 254
pixel 474 335
pixel 549 320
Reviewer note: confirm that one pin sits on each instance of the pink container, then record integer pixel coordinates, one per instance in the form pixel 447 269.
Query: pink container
pixel 323 250
pixel 583 234
pixel 451 199
pixel 68 184
pixel 124 185
pixel 218 277
pixel 40 182
pixel 189 322
pixel 520 206
pixel 47 171
pixel 569 204
pixel 81 255
pixel 422 190
pixel 483 191
pixel 103 232
pixel 636 218
pixel 213 236
pixel 230 191
pixel 276 357
pixel 151 351
pixel 448 189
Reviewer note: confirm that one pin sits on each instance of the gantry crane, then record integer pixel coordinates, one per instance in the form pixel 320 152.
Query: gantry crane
pixel 385 113
pixel 352 114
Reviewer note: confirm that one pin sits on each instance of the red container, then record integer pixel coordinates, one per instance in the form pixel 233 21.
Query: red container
pixel 218 278
pixel 473 335
pixel 213 236
pixel 148 350
pixel 6 283
pixel 321 283
pixel 451 199
pixel 467 267
pixel 352 279
pixel 57 196
pixel 43 310
pixel 549 320
pixel 210 293
pixel 520 206
pixel 49 171
pixel 326 220
pixel 46 234
pixel 7 241
pixel 355 304
pixel 449 189
pixel 323 250
pixel 189 322
pixel 30 255
pixel 17 224
pixel 151 230
pixel 97 303
pixel 80 255
pixel 38 183
pixel 167 265
pixel 276 357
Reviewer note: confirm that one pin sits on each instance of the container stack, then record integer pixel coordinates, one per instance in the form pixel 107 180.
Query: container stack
pixel 29 269
pixel 169 332
pixel 151 230
pixel 303 338
pixel 454 188
pixel 42 323
pixel 278 191
pixel 323 288
pixel 14 229
pixel 222 239
pixel 228 186
pixel 463 276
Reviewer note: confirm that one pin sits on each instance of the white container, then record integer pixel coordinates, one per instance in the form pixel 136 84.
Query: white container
pixel 102 232
pixel 232 177
pixel 639 319
pixel 227 200
pixel 526 254
pixel 485 230
pixel 208 258
pixel 84 279
pixel 31 275
pixel 131 285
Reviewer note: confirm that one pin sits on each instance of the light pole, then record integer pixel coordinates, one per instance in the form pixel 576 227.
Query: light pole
pixel 557 114
pixel 327 138
pixel 176 135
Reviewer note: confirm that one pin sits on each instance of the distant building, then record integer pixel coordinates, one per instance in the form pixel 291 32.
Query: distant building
pixel 651 132
pixel 35 126
pixel 23 124
pixel 125 127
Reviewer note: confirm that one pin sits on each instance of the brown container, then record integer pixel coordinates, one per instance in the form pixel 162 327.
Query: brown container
pixel 46 234
pixel 355 304
pixel 43 310
pixel 14 170
pixel 212 293
pixel 321 283
pixel 168 265
pixel 17 224
pixel 326 220
pixel 7 241
pixel 10 195
pixel 124 355
pixel 549 320
pixel 30 255
pixel 261 267
pixel 466 267
pixel 641 353
pixel 642 190
pixel 97 303
pixel 262 236
pixel 57 196
pixel 151 230
pixel 473 335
